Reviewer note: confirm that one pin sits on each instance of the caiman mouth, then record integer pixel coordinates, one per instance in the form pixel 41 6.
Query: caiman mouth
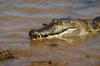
pixel 35 34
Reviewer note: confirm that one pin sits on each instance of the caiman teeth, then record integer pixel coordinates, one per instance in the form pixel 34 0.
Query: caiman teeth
pixel 38 36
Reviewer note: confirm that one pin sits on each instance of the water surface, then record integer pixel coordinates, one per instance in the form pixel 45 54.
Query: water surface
pixel 17 17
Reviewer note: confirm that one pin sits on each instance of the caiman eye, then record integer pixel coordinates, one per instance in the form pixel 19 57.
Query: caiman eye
pixel 55 21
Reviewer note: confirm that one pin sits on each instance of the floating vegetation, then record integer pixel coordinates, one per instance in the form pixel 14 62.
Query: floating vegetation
pixel 6 54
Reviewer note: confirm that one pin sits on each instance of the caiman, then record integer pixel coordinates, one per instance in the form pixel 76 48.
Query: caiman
pixel 66 27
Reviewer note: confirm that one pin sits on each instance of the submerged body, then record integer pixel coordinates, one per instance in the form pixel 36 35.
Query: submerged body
pixel 66 27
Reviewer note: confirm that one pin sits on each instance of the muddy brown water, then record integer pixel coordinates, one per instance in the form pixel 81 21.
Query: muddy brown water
pixel 17 17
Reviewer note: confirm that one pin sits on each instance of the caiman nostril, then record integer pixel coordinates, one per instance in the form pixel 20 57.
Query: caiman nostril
pixel 44 24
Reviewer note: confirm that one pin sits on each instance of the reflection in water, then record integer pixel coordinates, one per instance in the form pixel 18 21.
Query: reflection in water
pixel 71 40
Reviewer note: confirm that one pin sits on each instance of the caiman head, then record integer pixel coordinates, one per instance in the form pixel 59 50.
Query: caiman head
pixel 60 27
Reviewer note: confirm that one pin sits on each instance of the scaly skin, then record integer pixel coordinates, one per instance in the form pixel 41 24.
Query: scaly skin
pixel 66 26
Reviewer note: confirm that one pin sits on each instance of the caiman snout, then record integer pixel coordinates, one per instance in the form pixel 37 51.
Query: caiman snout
pixel 35 35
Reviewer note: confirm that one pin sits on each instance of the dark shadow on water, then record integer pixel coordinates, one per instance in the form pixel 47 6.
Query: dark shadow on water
pixel 53 45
